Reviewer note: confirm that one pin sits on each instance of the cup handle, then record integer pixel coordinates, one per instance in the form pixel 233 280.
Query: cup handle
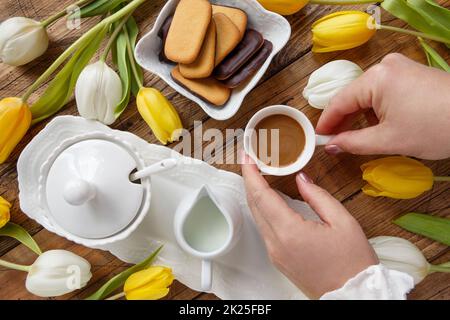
pixel 323 140
pixel 206 275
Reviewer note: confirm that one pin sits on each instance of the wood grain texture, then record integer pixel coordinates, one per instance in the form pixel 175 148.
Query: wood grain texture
pixel 282 84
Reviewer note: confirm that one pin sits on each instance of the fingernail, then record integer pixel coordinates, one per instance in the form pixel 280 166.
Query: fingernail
pixel 304 177
pixel 333 149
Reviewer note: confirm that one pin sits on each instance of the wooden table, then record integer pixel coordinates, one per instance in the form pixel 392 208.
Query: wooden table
pixel 282 84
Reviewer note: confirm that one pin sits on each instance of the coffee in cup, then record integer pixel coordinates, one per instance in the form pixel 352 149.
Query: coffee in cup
pixel 281 140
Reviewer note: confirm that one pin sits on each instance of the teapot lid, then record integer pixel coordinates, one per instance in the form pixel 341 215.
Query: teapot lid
pixel 88 190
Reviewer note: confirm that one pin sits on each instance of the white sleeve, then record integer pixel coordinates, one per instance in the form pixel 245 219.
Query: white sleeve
pixel 375 283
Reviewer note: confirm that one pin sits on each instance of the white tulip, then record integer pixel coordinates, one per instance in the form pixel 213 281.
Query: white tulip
pixel 57 272
pixel 401 255
pixel 325 82
pixel 98 91
pixel 22 40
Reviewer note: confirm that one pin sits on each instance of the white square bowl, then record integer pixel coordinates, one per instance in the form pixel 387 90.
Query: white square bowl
pixel 272 26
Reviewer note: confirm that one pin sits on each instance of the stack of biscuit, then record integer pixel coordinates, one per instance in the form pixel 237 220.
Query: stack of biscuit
pixel 213 49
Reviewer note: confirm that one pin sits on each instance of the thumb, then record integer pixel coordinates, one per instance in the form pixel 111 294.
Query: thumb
pixel 324 204
pixel 367 141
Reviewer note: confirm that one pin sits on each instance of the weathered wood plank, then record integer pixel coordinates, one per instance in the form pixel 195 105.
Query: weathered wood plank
pixel 282 83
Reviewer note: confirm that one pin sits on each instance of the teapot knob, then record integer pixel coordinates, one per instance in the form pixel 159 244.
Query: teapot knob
pixel 78 192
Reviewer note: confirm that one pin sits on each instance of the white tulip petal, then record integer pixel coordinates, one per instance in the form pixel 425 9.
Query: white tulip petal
pixel 401 255
pixel 21 41
pixel 98 92
pixel 328 80
pixel 57 272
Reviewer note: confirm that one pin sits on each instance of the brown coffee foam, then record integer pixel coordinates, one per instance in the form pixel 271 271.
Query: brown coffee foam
pixel 292 140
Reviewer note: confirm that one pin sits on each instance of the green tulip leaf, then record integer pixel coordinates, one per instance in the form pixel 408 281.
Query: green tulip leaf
pixel 432 11
pixel 409 13
pixel 99 7
pixel 133 31
pixel 15 231
pixel 120 279
pixel 60 89
pixel 434 59
pixel 122 60
pixel 431 227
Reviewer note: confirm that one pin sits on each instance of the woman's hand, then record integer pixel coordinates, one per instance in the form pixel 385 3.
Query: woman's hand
pixel 316 257
pixel 407 103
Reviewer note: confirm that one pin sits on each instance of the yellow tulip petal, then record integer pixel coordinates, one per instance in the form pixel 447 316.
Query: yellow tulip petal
pixel 284 7
pixel 159 114
pixel 147 294
pixel 341 30
pixel 146 276
pixel 4 212
pixel 15 120
pixel 397 177
pixel 149 284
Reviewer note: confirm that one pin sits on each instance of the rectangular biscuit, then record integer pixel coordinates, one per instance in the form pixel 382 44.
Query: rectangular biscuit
pixel 187 31
pixel 228 36
pixel 236 15
pixel 203 66
pixel 208 89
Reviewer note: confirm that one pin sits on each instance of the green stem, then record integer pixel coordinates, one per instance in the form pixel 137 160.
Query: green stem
pixel 132 61
pixel 116 16
pixel 343 2
pixel 62 13
pixel 14 266
pixel 113 37
pixel 442 179
pixel 413 33
pixel 445 264
pixel 117 296
pixel 439 268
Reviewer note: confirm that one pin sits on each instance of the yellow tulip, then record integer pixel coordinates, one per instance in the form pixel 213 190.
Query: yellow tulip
pixel 342 30
pixel 396 177
pixel 5 206
pixel 149 284
pixel 284 7
pixel 159 114
pixel 15 120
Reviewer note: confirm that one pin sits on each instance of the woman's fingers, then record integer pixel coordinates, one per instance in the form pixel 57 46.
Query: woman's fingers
pixel 270 211
pixel 354 98
pixel 324 204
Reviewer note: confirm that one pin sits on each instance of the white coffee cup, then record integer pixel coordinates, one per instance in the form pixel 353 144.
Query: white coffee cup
pixel 311 139
pixel 207 225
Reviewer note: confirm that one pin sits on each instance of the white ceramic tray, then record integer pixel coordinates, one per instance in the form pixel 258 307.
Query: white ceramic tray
pixel 274 28
pixel 244 273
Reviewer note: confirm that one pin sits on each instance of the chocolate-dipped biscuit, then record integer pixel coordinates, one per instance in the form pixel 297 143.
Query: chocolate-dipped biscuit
pixel 250 44
pixel 162 34
pixel 209 89
pixel 251 67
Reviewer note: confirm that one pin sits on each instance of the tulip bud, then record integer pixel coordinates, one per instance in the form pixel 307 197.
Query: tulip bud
pixel 22 40
pixel 284 7
pixel 341 31
pixel 57 272
pixel 396 177
pixel 98 92
pixel 5 206
pixel 326 81
pixel 149 284
pixel 159 114
pixel 401 255
pixel 15 120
